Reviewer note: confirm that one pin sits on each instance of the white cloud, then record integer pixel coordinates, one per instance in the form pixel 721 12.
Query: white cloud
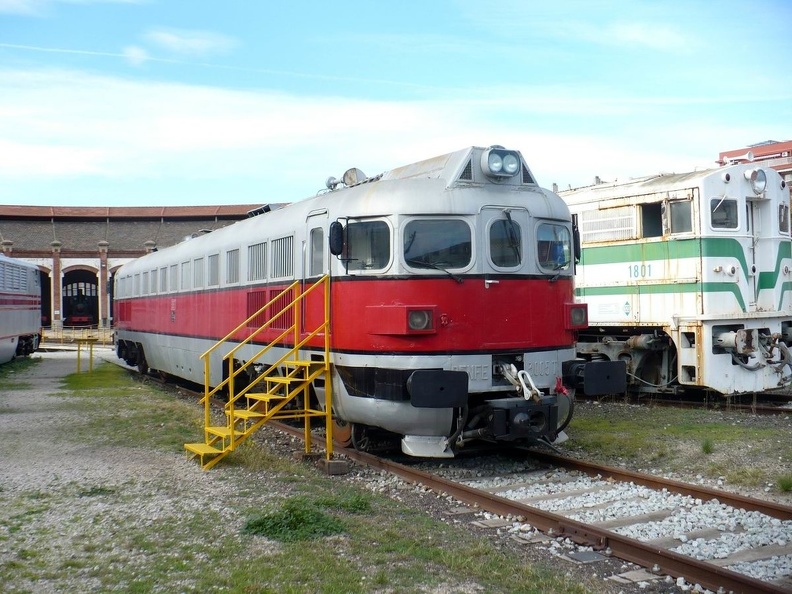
pixel 190 43
pixel 135 56
pixel 28 7
pixel 58 125
pixel 40 7
pixel 658 37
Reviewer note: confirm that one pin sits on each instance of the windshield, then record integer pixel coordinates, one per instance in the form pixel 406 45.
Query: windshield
pixel 553 246
pixel 505 243
pixel 437 243
pixel 367 245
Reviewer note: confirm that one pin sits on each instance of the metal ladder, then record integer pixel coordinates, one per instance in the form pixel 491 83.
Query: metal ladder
pixel 282 390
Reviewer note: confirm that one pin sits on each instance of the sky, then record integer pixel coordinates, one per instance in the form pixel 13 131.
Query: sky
pixel 199 102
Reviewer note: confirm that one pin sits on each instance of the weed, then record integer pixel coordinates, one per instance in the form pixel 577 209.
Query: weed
pixel 352 502
pixel 785 483
pixel 298 519
pixel 10 371
pixel 707 446
pixel 96 492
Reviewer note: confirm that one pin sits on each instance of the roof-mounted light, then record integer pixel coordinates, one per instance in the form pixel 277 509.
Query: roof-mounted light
pixel 757 179
pixel 498 162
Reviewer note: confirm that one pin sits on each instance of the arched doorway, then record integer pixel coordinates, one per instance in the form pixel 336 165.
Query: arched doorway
pixel 80 298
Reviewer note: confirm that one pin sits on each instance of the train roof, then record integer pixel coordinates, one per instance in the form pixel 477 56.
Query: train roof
pixel 400 190
pixel 650 184
pixel 4 258
pixel 655 184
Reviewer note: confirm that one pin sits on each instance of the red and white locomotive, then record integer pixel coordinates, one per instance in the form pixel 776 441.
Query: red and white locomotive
pixel 452 315
pixel 20 308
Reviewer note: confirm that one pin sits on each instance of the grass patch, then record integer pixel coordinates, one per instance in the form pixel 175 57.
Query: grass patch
pixel 132 411
pixel 298 518
pixel 9 373
pixel 785 483
pixel 674 439
pixel 707 446
pixel 96 492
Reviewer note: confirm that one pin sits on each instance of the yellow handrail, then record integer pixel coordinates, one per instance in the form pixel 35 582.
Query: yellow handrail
pixel 298 343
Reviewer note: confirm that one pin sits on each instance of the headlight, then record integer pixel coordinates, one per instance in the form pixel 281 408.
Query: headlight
pixel 577 316
pixel 498 162
pixel 758 180
pixel 419 319
pixel 511 164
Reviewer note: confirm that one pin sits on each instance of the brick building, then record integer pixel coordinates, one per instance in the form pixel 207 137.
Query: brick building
pixel 769 153
pixel 77 249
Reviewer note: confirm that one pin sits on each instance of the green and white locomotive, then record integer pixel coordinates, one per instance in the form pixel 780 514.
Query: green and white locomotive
pixel 688 278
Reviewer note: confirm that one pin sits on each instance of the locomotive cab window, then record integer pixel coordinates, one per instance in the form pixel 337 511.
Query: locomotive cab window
pixel 723 213
pixel 680 220
pixel 652 219
pixel 367 245
pixel 553 247
pixel 505 243
pixel 783 219
pixel 437 243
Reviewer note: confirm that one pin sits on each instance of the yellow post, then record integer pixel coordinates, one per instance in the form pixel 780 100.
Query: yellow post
pixel 90 342
pixel 328 375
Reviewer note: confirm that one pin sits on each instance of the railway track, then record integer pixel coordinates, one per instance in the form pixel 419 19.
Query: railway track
pixel 714 538
pixel 709 537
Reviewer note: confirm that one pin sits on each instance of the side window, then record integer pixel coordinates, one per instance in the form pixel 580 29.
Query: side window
pixel 185 276
pixel 783 218
pixel 505 241
pixel 198 276
pixel 317 251
pixel 174 277
pixel 553 246
pixel 652 219
pixel 723 213
pixel 214 270
pixel 367 245
pixel 164 280
pixel 680 220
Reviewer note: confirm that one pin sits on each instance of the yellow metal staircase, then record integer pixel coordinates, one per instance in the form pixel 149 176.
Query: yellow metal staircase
pixel 282 390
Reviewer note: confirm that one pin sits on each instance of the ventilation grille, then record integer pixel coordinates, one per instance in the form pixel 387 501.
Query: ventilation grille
pixel 526 176
pixel 467 173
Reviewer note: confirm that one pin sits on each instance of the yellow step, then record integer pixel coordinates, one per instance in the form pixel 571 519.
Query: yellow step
pixel 264 396
pixel 279 379
pixel 201 449
pixel 223 431
pixel 247 414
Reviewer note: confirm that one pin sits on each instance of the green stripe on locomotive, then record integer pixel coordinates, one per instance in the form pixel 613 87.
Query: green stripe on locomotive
pixel 678 249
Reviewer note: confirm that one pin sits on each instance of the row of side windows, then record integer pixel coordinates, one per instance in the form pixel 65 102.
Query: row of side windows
pixel 201 273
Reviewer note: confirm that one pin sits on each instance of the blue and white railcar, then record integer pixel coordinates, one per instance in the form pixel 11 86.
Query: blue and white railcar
pixel 688 277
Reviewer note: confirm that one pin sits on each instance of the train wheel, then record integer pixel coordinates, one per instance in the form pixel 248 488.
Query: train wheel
pixel 142 364
pixel 360 437
pixel 342 433
pixel 566 408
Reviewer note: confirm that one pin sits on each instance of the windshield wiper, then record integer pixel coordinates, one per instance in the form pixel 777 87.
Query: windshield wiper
pixel 418 263
pixel 559 268
pixel 514 241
